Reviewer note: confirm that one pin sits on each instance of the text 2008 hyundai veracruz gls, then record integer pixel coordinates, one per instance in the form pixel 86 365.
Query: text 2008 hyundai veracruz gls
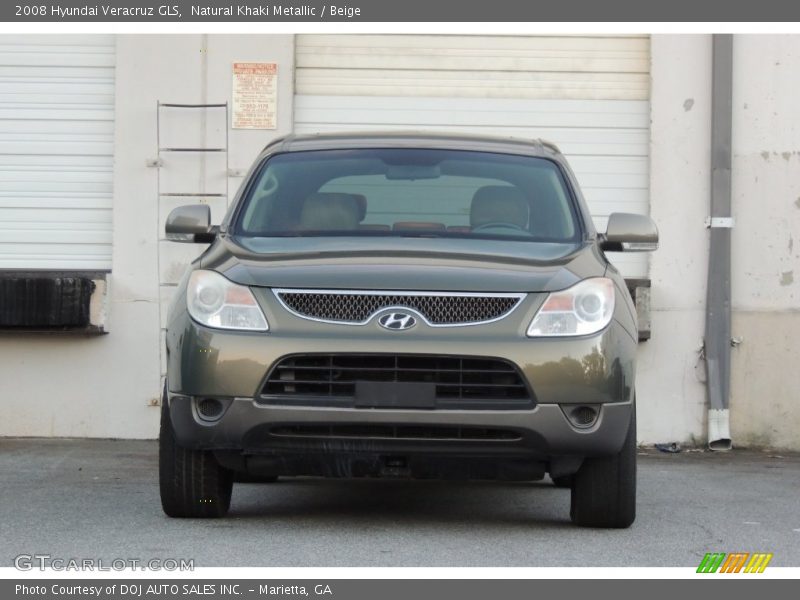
pixel 403 305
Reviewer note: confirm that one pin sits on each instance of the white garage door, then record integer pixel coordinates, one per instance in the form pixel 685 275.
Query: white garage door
pixel 56 142
pixel 589 95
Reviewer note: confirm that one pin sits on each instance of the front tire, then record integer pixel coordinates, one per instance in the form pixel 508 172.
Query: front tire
pixel 192 483
pixel 565 481
pixel 604 488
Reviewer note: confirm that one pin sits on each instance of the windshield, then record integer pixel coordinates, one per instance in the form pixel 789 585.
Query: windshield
pixel 409 192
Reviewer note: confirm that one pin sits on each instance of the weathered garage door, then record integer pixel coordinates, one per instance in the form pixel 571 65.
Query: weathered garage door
pixel 589 95
pixel 56 142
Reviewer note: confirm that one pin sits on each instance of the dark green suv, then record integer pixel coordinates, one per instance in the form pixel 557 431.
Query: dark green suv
pixel 403 305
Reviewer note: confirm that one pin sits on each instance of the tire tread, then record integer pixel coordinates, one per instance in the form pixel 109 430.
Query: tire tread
pixel 604 489
pixel 191 482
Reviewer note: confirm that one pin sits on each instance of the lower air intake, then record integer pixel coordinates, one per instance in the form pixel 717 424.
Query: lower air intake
pixel 458 382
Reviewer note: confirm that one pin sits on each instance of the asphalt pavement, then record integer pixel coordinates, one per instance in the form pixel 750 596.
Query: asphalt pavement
pixel 99 499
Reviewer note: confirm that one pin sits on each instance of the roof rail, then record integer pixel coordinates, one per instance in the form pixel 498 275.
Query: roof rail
pixel 550 145
pixel 279 140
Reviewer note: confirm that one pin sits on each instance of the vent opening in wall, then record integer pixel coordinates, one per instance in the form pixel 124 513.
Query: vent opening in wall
pixel 49 302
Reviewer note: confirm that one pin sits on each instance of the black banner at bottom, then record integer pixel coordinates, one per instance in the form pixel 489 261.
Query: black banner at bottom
pixel 386 589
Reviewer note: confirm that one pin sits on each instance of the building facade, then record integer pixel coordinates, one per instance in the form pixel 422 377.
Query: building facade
pixel 88 179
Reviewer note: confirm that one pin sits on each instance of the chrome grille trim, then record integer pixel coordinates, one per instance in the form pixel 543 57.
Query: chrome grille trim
pixel 514 300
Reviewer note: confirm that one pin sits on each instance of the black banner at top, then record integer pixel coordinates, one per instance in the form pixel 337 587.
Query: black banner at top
pixel 462 11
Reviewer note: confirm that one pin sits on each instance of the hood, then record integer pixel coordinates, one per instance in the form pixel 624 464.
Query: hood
pixel 395 263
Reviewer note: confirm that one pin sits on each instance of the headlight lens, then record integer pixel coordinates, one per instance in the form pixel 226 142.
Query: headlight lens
pixel 584 308
pixel 217 302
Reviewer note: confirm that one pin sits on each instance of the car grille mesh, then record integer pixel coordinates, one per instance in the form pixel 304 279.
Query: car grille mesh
pixel 483 383
pixel 438 309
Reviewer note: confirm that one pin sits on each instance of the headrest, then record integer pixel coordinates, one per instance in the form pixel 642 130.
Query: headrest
pixel 328 212
pixel 361 199
pixel 499 204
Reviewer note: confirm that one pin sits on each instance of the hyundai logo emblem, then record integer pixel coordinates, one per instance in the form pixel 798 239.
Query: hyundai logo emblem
pixel 397 321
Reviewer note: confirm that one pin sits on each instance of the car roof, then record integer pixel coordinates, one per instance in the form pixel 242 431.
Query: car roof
pixel 412 139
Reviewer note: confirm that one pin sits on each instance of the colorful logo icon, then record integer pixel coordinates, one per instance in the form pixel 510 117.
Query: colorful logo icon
pixel 735 562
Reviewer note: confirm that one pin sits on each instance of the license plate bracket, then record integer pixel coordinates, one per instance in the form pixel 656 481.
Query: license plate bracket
pixel 395 394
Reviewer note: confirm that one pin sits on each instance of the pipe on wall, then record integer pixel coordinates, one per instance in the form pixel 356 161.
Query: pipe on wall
pixel 718 301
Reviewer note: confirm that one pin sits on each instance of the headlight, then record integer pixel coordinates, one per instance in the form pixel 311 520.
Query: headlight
pixel 584 308
pixel 217 302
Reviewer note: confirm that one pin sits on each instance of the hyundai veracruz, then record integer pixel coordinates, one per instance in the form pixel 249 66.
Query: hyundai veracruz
pixel 403 305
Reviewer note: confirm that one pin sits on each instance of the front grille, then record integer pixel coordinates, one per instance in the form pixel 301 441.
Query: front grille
pixel 460 382
pixel 440 309
pixel 396 432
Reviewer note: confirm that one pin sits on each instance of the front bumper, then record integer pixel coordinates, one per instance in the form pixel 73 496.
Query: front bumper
pixel 232 366
pixel 596 369
pixel 543 432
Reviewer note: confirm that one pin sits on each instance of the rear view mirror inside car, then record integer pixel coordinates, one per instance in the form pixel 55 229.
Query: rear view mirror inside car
pixel 412 172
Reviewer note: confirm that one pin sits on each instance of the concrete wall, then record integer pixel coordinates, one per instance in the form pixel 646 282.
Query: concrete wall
pixel 109 386
pixel 765 387
pixel 765 403
pixel 670 393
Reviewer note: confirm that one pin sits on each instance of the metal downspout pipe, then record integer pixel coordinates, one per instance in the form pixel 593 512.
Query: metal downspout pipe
pixel 720 223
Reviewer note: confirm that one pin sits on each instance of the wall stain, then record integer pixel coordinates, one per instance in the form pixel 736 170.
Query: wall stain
pixel 797 202
pixel 688 104
pixel 786 155
pixel 791 244
pixel 787 278
pixel 765 155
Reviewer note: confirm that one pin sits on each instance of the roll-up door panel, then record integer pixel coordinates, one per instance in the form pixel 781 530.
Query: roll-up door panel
pixel 56 151
pixel 588 94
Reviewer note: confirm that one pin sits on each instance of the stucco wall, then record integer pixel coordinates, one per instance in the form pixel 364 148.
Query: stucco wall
pixel 670 395
pixel 765 384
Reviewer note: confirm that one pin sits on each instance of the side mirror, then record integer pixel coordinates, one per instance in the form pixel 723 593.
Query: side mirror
pixel 190 224
pixel 629 233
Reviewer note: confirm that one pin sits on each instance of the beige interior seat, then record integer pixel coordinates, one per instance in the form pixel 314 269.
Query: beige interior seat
pixel 325 211
pixel 499 204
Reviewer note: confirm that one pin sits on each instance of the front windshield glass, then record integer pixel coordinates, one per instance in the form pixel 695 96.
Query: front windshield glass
pixel 409 192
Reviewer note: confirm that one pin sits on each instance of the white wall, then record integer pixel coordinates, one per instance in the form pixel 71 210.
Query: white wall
pixel 670 395
pixel 108 386
pixel 765 386
pixel 765 381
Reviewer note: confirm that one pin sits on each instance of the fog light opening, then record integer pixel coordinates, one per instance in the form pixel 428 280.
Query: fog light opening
pixel 583 416
pixel 209 409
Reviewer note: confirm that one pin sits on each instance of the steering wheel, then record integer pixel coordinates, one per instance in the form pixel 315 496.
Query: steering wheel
pixel 499 225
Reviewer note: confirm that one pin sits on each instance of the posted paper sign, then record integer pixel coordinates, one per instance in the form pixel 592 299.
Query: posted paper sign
pixel 255 95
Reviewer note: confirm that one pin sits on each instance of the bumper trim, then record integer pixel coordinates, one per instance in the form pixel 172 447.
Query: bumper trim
pixel 544 431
